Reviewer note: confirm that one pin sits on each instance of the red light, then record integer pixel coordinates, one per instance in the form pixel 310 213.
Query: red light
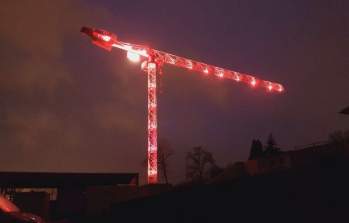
pixel 152 65
pixel 206 70
pixel 189 64
pixel 144 66
pixel 237 77
pixel 152 125
pixel 270 86
pixel 280 88
pixel 106 38
pixel 253 82
pixel 219 72
pixel 170 59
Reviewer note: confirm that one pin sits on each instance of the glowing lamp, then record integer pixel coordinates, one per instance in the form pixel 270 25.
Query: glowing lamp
pixel 134 57
pixel 106 38
pixel 253 82
pixel 270 87
pixel 237 77
pixel 189 65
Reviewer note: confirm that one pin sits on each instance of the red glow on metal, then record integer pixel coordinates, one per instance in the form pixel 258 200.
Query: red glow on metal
pixel 237 76
pixel 154 59
pixel 219 72
pixel 253 82
pixel 152 125
pixel 270 87
pixel 106 38
pixel 7 206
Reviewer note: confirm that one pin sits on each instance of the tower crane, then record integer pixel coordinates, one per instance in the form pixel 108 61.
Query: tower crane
pixel 153 60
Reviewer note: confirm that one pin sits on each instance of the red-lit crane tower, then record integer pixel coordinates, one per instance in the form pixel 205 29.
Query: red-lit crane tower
pixel 153 60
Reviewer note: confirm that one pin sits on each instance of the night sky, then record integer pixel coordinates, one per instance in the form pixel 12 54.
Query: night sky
pixel 67 105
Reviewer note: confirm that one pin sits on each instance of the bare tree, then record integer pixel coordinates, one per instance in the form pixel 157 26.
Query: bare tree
pixel 198 162
pixel 164 153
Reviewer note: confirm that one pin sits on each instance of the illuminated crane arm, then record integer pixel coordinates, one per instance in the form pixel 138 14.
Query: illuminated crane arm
pixel 207 69
pixel 107 40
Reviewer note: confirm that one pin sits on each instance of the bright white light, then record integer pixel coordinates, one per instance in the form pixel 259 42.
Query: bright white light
pixel 144 65
pixel 106 38
pixel 270 87
pixel 253 82
pixel 237 77
pixel 151 65
pixel 206 70
pixel 189 65
pixel 134 57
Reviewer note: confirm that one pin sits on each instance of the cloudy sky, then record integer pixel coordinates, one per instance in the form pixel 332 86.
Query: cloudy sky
pixel 66 105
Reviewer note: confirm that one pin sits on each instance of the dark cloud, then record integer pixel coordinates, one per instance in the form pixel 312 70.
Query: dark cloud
pixel 45 124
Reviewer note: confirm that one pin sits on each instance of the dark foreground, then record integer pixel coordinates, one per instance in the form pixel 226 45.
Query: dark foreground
pixel 316 194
